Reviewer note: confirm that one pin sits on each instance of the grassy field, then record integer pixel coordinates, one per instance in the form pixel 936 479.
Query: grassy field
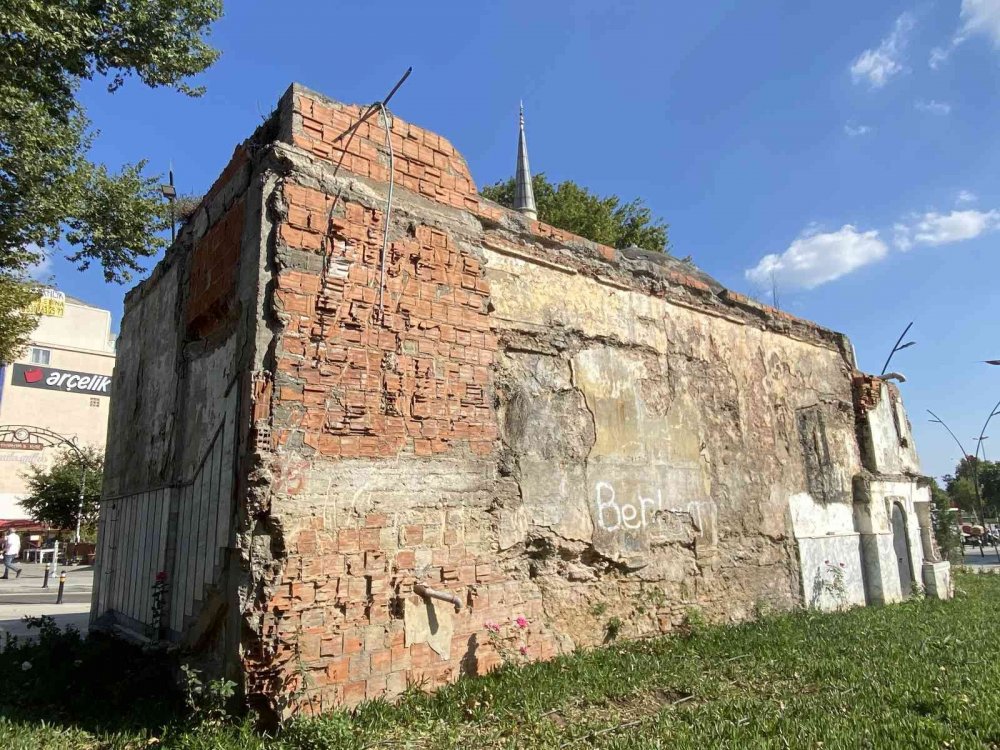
pixel 923 674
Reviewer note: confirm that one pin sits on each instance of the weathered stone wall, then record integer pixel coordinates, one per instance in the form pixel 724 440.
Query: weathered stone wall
pixel 542 426
pixel 175 323
pixel 169 506
pixel 596 440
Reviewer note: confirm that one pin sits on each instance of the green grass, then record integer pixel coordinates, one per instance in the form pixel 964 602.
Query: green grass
pixel 914 675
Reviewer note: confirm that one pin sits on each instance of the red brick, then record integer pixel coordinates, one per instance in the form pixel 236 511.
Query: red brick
pixel 348 540
pixel 381 661
pixel 353 643
pixel 332 645
pixel 354 692
pixel 370 539
pixel 303 592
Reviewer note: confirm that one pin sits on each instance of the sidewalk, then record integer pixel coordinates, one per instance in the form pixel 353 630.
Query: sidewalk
pixel 25 596
pixel 974 560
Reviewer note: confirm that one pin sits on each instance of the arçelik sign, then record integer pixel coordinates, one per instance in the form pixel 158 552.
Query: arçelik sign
pixel 54 379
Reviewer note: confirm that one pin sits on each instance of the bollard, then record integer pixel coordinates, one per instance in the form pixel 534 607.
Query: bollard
pixel 45 581
pixel 62 584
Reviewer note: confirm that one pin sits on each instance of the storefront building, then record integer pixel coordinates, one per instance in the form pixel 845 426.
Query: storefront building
pixel 61 383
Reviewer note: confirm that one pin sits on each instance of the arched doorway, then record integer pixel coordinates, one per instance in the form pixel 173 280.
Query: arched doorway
pixel 901 547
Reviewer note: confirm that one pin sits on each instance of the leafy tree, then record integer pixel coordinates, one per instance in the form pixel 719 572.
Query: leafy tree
pixel 944 523
pixel 16 323
pixel 574 208
pixel 50 191
pixel 961 485
pixel 54 493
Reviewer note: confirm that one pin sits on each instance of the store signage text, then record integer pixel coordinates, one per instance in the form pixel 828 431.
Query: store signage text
pixel 54 379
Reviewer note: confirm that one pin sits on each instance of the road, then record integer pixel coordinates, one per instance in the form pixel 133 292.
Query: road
pixel 25 596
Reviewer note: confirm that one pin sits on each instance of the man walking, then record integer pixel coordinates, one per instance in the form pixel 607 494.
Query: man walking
pixel 11 550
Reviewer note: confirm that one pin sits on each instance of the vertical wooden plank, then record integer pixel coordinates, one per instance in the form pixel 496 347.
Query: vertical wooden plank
pixel 198 517
pixel 177 572
pixel 133 567
pixel 183 558
pixel 137 558
pixel 123 555
pixel 114 593
pixel 139 564
pixel 192 546
pixel 163 511
pixel 199 544
pixel 111 555
pixel 225 509
pixel 123 552
pixel 136 566
pixel 152 553
pixel 148 558
pixel 211 512
pixel 153 522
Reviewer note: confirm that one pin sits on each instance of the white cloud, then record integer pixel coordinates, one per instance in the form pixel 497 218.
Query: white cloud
pixel 976 18
pixel 856 130
pixel 41 268
pixel 901 237
pixel 979 17
pixel 966 196
pixel 816 257
pixel 938 56
pixel 933 106
pixel 878 65
pixel 943 229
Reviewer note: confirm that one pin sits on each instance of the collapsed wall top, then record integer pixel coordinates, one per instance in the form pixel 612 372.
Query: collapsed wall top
pixel 429 166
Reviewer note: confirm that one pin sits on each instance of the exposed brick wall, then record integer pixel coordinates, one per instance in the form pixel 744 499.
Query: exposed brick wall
pixel 214 261
pixel 352 382
pixel 365 399
pixel 867 393
pixel 425 163
pixel 334 631
pixel 368 382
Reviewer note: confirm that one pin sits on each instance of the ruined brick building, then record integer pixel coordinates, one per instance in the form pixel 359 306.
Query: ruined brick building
pixel 321 409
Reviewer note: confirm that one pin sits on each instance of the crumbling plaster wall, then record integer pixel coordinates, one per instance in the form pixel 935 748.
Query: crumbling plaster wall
pixel 539 425
pixel 891 479
pixel 688 432
pixel 176 354
pixel 543 426
pixel 185 358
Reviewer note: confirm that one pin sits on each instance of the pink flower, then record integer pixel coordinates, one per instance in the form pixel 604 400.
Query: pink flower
pixel 161 577
pixel 521 622
pixel 523 650
pixel 493 627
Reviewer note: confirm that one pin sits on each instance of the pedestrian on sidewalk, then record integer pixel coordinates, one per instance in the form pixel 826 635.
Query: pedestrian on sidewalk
pixel 11 551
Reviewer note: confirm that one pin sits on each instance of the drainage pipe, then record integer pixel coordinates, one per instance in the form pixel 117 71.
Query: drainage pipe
pixel 428 593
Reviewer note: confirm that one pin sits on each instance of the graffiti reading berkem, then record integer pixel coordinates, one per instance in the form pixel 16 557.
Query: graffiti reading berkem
pixel 615 514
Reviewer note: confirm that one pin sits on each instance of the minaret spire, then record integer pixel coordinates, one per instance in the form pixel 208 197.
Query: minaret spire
pixel 524 194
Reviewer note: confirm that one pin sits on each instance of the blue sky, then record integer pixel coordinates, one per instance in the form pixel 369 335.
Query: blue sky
pixel 848 149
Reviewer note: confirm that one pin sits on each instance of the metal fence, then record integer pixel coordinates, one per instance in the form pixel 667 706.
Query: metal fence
pixel 181 530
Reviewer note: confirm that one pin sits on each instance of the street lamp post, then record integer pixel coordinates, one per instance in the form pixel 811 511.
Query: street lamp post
pixel 974 461
pixel 898 346
pixel 83 491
